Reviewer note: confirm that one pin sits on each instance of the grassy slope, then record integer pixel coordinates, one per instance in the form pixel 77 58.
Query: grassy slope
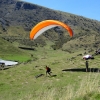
pixel 84 43
pixel 20 83
pixel 10 52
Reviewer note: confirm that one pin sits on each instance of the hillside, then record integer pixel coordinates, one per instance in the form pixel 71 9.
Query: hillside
pixel 17 19
pixel 69 80
pixel 54 48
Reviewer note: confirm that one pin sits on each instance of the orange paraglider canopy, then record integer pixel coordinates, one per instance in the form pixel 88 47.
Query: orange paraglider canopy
pixel 48 24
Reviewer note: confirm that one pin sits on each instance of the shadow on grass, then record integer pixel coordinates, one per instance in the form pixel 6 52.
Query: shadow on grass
pixel 5 68
pixel 37 76
pixel 26 48
pixel 82 70
pixel 53 75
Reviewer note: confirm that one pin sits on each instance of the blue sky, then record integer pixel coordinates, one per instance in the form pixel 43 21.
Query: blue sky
pixel 87 8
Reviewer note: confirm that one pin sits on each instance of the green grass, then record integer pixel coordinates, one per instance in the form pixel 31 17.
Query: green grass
pixel 19 82
pixel 10 51
pixel 19 58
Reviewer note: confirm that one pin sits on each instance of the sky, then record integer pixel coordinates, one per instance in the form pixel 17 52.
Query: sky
pixel 86 8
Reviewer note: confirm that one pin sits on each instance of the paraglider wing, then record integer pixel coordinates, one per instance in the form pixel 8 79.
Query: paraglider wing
pixel 48 24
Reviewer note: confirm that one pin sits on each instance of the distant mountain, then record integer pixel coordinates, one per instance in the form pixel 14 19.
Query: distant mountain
pixel 17 19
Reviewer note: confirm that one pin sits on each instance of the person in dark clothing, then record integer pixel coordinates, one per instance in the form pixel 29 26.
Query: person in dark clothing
pixel 86 65
pixel 48 70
